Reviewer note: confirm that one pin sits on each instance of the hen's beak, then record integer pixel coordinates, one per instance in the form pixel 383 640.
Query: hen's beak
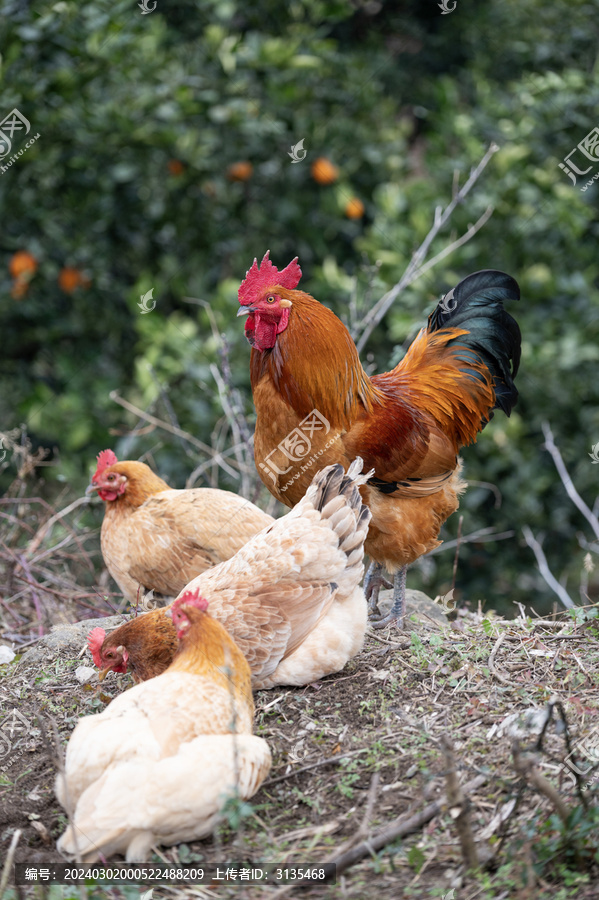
pixel 92 488
pixel 102 675
pixel 245 311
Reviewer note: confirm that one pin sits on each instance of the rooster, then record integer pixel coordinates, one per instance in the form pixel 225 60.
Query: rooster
pixel 315 402
pixel 290 598
pixel 157 765
pixel 161 538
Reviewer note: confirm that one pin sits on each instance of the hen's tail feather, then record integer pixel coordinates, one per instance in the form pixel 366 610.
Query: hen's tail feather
pixel 476 305
pixel 334 493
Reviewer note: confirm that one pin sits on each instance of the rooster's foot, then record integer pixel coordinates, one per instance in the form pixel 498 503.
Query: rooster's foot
pixel 396 613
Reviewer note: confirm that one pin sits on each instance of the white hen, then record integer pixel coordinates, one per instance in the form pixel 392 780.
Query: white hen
pixel 157 765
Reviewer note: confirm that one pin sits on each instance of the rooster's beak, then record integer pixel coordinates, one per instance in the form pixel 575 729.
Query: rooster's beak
pixel 102 675
pixel 91 489
pixel 245 311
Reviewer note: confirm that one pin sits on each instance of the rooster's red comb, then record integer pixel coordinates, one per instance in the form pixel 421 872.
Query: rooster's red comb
pixel 95 639
pixel 259 279
pixel 105 458
pixel 191 598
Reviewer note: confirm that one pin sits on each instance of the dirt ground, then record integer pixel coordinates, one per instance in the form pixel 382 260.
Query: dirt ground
pixel 364 750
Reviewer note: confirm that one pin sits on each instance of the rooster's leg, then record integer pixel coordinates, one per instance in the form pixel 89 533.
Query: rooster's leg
pixel 372 584
pixel 396 613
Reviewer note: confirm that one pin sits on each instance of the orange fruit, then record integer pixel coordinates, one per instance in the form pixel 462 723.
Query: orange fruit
pixel 323 171
pixel 69 279
pixel 22 263
pixel 175 167
pixel 354 208
pixel 240 171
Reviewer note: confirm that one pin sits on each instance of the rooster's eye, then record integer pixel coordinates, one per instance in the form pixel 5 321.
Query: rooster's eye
pixel 111 477
pixel 270 299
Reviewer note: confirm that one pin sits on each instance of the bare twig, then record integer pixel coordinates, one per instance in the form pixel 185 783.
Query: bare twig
pixel 526 768
pixel 417 265
pixel 457 553
pixel 233 422
pixel 315 765
pixel 173 429
pixel 8 863
pixel 362 833
pixel 34 594
pixel 491 661
pixel 573 494
pixel 169 408
pixel 574 769
pixel 492 487
pixel 544 569
pixel 401 827
pixel 482 536
pixel 459 805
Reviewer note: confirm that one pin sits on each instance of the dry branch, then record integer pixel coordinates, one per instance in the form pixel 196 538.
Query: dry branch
pixel 544 569
pixel 401 827
pixel 173 429
pixel 491 660
pixel 417 265
pixel 6 871
pixel 459 806
pixel 526 768
pixel 567 482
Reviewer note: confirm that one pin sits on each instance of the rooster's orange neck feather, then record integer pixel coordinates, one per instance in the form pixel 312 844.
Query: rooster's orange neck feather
pixel 305 381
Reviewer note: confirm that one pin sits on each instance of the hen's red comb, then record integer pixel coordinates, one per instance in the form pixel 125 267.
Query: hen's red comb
pixel 105 458
pixel 95 639
pixel 191 598
pixel 259 279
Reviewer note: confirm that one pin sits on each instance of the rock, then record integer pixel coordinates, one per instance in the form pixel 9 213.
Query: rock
pixel 67 640
pixel 6 655
pixel 416 602
pixel 525 723
pixel 83 674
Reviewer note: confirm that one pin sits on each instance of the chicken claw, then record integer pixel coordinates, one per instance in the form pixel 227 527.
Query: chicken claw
pixel 396 613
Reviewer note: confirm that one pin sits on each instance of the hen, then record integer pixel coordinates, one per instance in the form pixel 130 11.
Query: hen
pixel 157 765
pixel 161 538
pixel 290 598
pixel 315 402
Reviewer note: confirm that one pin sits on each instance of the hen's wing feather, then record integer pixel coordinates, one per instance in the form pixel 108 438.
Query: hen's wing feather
pixel 177 534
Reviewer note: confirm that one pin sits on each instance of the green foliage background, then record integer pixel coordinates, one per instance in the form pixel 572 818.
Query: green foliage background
pixel 400 98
